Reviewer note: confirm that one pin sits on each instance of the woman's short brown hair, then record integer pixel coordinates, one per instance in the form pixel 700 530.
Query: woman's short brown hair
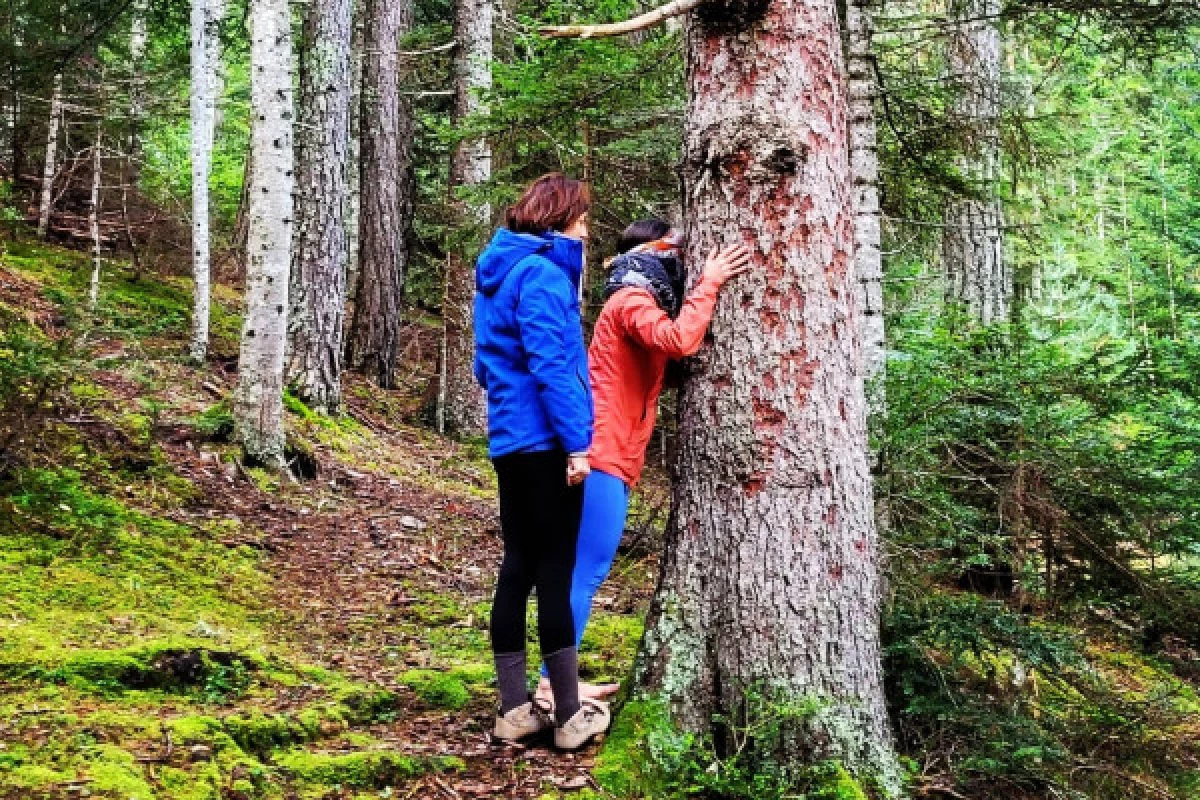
pixel 551 203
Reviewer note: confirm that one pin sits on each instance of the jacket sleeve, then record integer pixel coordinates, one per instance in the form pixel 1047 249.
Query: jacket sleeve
pixel 552 335
pixel 649 325
pixel 480 372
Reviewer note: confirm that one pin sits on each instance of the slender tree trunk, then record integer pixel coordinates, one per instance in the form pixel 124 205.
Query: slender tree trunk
pixel 864 179
pixel 51 164
pixel 318 290
pixel 770 576
pixel 1166 229
pixel 354 157
pixel 206 53
pixel 11 102
pixel 137 88
pixel 386 186
pixel 462 406
pixel 94 214
pixel 258 411
pixel 977 273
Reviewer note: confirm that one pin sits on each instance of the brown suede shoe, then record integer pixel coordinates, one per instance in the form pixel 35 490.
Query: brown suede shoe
pixel 523 722
pixel 591 720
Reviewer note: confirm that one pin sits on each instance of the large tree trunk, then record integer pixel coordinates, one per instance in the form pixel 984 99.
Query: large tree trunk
pixel 462 405
pixel 770 577
pixel 50 166
pixel 206 53
pixel 318 290
pixel 258 411
pixel 973 240
pixel 386 186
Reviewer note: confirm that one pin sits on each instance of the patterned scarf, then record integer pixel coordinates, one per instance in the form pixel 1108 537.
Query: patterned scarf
pixel 654 266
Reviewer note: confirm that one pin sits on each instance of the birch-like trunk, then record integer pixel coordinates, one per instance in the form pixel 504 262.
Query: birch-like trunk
pixel 258 410
pixel 973 240
pixel 318 281
pixel 137 88
pixel 462 405
pixel 50 167
pixel 386 186
pixel 770 576
pixel 206 54
pixel 94 215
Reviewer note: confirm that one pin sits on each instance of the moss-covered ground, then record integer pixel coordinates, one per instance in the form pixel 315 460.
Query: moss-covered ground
pixel 173 625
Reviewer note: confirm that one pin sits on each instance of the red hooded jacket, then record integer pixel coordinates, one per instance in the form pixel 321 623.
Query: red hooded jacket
pixel 632 343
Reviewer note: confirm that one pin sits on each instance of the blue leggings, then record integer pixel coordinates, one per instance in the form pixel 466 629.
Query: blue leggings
pixel 605 503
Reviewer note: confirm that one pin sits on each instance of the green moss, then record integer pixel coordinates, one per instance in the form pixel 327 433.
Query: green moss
pixel 366 704
pixel 610 644
pixel 359 770
pixel 832 782
pixel 640 751
pixel 88 569
pixel 30 776
pixel 116 771
pixel 215 422
pixel 194 729
pixel 437 689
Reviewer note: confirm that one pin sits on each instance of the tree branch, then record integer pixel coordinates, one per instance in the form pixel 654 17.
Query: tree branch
pixel 648 20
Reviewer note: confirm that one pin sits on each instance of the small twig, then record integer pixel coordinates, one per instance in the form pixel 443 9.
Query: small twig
pixel 638 23
pixel 441 48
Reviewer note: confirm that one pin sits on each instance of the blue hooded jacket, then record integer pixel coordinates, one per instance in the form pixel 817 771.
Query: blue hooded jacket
pixel 529 351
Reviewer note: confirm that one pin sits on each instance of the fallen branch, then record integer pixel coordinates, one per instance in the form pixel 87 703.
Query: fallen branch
pixel 639 23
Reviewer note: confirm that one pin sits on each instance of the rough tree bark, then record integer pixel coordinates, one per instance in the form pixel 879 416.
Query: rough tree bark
pixel 50 166
pixel 258 410
pixel 206 53
pixel 462 405
pixel 386 201
pixel 770 576
pixel 864 180
pixel 12 102
pixel 973 241
pixel 353 159
pixel 318 278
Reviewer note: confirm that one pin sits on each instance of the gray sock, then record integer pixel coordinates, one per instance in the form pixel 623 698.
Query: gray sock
pixel 512 680
pixel 563 668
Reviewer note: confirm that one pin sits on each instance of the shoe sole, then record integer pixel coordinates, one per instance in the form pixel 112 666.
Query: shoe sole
pixel 498 741
pixel 595 738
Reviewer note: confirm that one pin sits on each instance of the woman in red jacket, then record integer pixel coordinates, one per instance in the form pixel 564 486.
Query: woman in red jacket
pixel 646 322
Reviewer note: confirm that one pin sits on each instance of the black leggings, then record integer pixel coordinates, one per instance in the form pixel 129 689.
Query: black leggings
pixel 539 521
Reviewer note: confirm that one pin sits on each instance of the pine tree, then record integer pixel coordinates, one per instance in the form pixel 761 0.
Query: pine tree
pixel 973 238
pixel 386 194
pixel 461 401
pixel 318 278
pixel 770 577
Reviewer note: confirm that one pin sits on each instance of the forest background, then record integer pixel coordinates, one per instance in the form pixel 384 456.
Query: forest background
pixel 1037 468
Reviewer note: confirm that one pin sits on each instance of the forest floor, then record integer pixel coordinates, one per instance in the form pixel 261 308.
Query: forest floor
pixel 176 625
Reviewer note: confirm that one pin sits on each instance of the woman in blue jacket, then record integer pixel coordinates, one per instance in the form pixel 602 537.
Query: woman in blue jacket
pixel 531 359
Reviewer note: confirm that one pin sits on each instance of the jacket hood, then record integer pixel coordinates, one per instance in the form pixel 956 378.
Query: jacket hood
pixel 507 249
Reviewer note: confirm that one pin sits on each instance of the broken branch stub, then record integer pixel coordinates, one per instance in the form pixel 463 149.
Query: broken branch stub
pixel 639 23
